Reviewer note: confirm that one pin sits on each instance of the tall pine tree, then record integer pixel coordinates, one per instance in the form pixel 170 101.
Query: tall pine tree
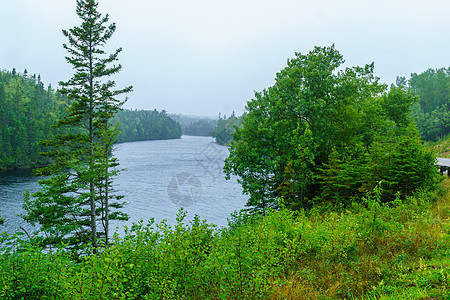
pixel 75 201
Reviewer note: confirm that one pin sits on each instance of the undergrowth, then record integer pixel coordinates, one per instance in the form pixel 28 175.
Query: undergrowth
pixel 372 250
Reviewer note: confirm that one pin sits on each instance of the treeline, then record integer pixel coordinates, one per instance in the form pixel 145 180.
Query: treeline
pixel 27 112
pixel 221 129
pixel 193 125
pixel 223 133
pixel 200 128
pixel 432 111
pixel 142 125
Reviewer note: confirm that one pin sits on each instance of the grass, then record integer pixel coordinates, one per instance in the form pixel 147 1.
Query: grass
pixel 369 251
pixel 405 256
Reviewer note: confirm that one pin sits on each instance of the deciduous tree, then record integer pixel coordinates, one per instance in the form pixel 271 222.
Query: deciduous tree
pixel 309 138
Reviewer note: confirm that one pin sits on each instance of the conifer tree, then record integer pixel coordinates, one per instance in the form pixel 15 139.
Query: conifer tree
pixel 77 196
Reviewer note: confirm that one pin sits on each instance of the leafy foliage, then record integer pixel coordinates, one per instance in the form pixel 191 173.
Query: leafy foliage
pixel 432 112
pixel 371 250
pixel 321 134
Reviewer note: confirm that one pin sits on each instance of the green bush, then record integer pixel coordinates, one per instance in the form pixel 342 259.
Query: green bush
pixel 395 250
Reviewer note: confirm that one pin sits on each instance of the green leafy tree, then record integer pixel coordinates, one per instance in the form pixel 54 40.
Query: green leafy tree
pixel 309 95
pixel 298 173
pixel 397 105
pixel 323 133
pixel 77 195
pixel 432 112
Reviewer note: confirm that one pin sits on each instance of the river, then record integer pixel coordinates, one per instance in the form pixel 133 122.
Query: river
pixel 159 178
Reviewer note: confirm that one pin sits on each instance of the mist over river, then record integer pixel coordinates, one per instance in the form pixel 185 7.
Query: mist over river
pixel 160 177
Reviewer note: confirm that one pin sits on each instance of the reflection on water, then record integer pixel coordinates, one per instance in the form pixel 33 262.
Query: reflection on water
pixel 160 177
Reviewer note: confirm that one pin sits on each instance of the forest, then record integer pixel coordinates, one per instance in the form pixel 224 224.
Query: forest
pixel 345 199
pixel 324 136
pixel 195 125
pixel 223 133
pixel 28 111
pixel 432 111
pixel 145 125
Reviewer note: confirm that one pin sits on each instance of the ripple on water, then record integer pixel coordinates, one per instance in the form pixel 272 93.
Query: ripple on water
pixel 150 167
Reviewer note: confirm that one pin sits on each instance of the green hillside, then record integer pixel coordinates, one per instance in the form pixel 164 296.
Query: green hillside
pixel 28 110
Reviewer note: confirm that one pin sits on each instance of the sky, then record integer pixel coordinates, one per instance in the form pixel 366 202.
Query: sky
pixel 205 57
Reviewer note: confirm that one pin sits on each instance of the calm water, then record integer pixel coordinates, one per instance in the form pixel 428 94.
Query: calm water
pixel 160 177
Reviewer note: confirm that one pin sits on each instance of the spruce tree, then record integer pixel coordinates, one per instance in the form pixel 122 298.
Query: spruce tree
pixel 77 196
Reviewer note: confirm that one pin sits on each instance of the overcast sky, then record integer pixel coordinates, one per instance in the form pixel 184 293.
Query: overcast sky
pixel 202 57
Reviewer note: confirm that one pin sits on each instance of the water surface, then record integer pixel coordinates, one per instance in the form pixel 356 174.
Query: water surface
pixel 160 177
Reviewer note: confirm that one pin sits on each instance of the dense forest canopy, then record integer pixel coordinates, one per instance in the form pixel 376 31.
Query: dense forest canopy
pixel 432 111
pixel 144 125
pixel 28 110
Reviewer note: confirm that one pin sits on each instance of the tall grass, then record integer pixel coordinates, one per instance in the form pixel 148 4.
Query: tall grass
pixel 399 252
